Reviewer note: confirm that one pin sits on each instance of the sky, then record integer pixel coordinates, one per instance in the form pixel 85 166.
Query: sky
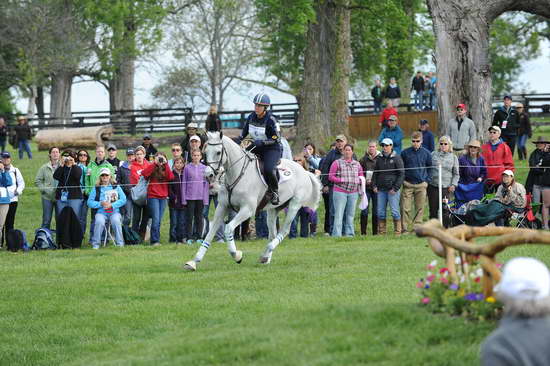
pixel 89 96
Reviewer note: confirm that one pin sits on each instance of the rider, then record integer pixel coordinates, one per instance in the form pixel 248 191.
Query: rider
pixel 265 130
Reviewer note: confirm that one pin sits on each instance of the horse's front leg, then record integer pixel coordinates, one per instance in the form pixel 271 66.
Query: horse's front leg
pixel 244 213
pixel 293 208
pixel 219 215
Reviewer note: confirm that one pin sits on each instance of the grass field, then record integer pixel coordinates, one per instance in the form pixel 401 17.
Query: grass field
pixel 322 301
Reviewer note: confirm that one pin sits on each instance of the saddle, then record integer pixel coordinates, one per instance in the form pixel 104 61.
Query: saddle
pixel 283 174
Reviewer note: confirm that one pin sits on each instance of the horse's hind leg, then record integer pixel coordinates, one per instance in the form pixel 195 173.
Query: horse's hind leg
pixel 243 214
pixel 272 223
pixel 216 222
pixel 293 208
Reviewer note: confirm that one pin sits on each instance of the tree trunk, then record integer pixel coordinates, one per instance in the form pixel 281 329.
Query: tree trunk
pixel 60 96
pixel 462 53
pixel 31 101
pixel 324 109
pixel 40 103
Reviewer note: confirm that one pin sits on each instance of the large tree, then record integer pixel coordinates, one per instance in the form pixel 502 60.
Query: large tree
pixel 462 52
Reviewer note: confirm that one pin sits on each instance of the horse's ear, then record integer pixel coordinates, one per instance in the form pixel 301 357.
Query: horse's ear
pixel 221 134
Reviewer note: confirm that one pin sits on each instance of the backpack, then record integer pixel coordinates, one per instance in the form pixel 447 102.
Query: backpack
pixel 130 236
pixel 16 240
pixel 43 239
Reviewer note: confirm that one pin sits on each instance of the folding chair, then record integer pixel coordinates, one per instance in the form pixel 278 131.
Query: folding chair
pixel 526 218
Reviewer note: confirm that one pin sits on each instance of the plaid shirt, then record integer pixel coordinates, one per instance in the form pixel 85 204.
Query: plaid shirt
pixel 348 173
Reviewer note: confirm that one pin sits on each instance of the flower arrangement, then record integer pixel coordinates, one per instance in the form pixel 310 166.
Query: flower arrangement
pixel 466 299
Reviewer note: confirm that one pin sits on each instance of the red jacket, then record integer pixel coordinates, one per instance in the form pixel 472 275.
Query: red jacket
pixel 497 161
pixel 158 188
pixel 136 170
pixel 386 113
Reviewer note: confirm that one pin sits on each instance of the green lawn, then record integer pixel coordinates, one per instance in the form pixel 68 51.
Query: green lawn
pixel 322 301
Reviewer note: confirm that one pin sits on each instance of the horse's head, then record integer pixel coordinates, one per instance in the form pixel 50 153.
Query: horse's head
pixel 214 154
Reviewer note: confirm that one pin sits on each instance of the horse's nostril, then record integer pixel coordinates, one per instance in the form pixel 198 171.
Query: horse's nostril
pixel 211 175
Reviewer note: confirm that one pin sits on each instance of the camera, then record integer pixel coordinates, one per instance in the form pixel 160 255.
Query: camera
pixel 161 160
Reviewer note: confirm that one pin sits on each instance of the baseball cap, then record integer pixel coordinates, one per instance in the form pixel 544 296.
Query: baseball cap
pixel 461 105
pixel 508 172
pixel 130 151
pixel 192 125
pixel 5 155
pixel 423 122
pixel 147 137
pixel 524 279
pixel 508 96
pixel 495 128
pixel 341 138
pixel 111 147
pixel 194 137
pixel 393 117
pixel 104 171
pixel 386 141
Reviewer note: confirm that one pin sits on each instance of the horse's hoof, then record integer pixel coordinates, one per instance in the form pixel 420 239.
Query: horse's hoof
pixel 238 257
pixel 190 266
pixel 265 260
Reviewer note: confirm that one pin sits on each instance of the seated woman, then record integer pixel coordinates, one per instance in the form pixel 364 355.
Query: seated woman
pixel 107 198
pixel 472 172
pixel 510 192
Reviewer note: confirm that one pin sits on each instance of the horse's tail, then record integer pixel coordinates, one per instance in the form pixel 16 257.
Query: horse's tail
pixel 316 187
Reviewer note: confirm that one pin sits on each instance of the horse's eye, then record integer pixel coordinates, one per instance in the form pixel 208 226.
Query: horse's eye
pixel 219 153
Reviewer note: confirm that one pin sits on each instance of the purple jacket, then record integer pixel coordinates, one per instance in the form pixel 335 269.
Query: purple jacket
pixel 469 172
pixel 195 186
pixel 175 193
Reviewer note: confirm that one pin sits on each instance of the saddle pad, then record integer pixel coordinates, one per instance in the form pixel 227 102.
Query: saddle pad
pixel 284 173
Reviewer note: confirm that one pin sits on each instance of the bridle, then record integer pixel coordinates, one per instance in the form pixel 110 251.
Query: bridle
pixel 219 163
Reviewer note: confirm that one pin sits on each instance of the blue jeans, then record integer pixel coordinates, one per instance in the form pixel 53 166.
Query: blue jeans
pixel 522 141
pixel 305 219
pixel 177 224
pixel 261 225
pixel 156 210
pixel 418 99
pixel 73 203
pixel 3 144
pixel 377 106
pixel 344 211
pixel 83 215
pixel 383 198
pixel 116 224
pixel 47 212
pixel 24 145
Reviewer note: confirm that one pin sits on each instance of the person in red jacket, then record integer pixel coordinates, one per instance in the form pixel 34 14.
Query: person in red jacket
pixel 140 214
pixel 386 113
pixel 159 175
pixel 497 155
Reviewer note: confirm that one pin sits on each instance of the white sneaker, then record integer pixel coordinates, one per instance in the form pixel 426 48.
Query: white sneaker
pixel 95 247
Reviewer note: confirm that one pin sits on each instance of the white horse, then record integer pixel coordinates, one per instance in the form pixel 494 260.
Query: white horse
pixel 243 188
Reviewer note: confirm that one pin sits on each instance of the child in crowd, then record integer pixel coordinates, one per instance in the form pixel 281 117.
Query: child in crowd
pixel 194 195
pixel 175 202
pixel 83 161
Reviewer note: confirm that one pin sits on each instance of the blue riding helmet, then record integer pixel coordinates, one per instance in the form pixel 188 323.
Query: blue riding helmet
pixel 262 99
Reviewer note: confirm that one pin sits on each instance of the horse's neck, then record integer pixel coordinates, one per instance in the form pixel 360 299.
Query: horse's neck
pixel 236 159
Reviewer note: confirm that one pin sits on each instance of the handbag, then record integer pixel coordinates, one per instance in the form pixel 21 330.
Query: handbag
pixel 139 192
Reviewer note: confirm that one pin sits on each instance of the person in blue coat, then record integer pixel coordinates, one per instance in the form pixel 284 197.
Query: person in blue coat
pixel 394 133
pixel 266 133
pixel 5 182
pixel 107 198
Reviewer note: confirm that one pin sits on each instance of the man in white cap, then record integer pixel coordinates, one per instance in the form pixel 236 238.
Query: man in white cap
pixel 497 156
pixel 523 333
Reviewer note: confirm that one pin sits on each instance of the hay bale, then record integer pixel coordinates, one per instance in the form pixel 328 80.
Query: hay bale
pixel 80 137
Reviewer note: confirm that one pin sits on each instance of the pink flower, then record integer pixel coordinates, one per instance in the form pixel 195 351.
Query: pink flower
pixel 419 284
pixel 444 280
pixel 430 278
pixel 443 270
pixel 477 279
pixel 426 300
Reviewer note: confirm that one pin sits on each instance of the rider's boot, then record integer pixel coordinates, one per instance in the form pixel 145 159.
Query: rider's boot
pixel 273 187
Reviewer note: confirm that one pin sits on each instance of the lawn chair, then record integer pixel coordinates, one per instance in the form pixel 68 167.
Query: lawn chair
pixel 526 218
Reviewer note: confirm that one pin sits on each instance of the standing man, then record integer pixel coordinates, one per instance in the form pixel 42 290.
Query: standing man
pixel 428 140
pixel 24 135
pixel 461 129
pixel 14 191
pixel 417 161
pixel 497 155
pixel 507 119
pixel 394 133
pixel 418 86
pixel 150 150
pixel 377 96
pixel 393 92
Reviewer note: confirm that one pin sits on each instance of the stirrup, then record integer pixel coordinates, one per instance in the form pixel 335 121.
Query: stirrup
pixel 274 198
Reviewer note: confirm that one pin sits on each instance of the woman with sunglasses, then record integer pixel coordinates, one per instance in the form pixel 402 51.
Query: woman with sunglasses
pixel 449 175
